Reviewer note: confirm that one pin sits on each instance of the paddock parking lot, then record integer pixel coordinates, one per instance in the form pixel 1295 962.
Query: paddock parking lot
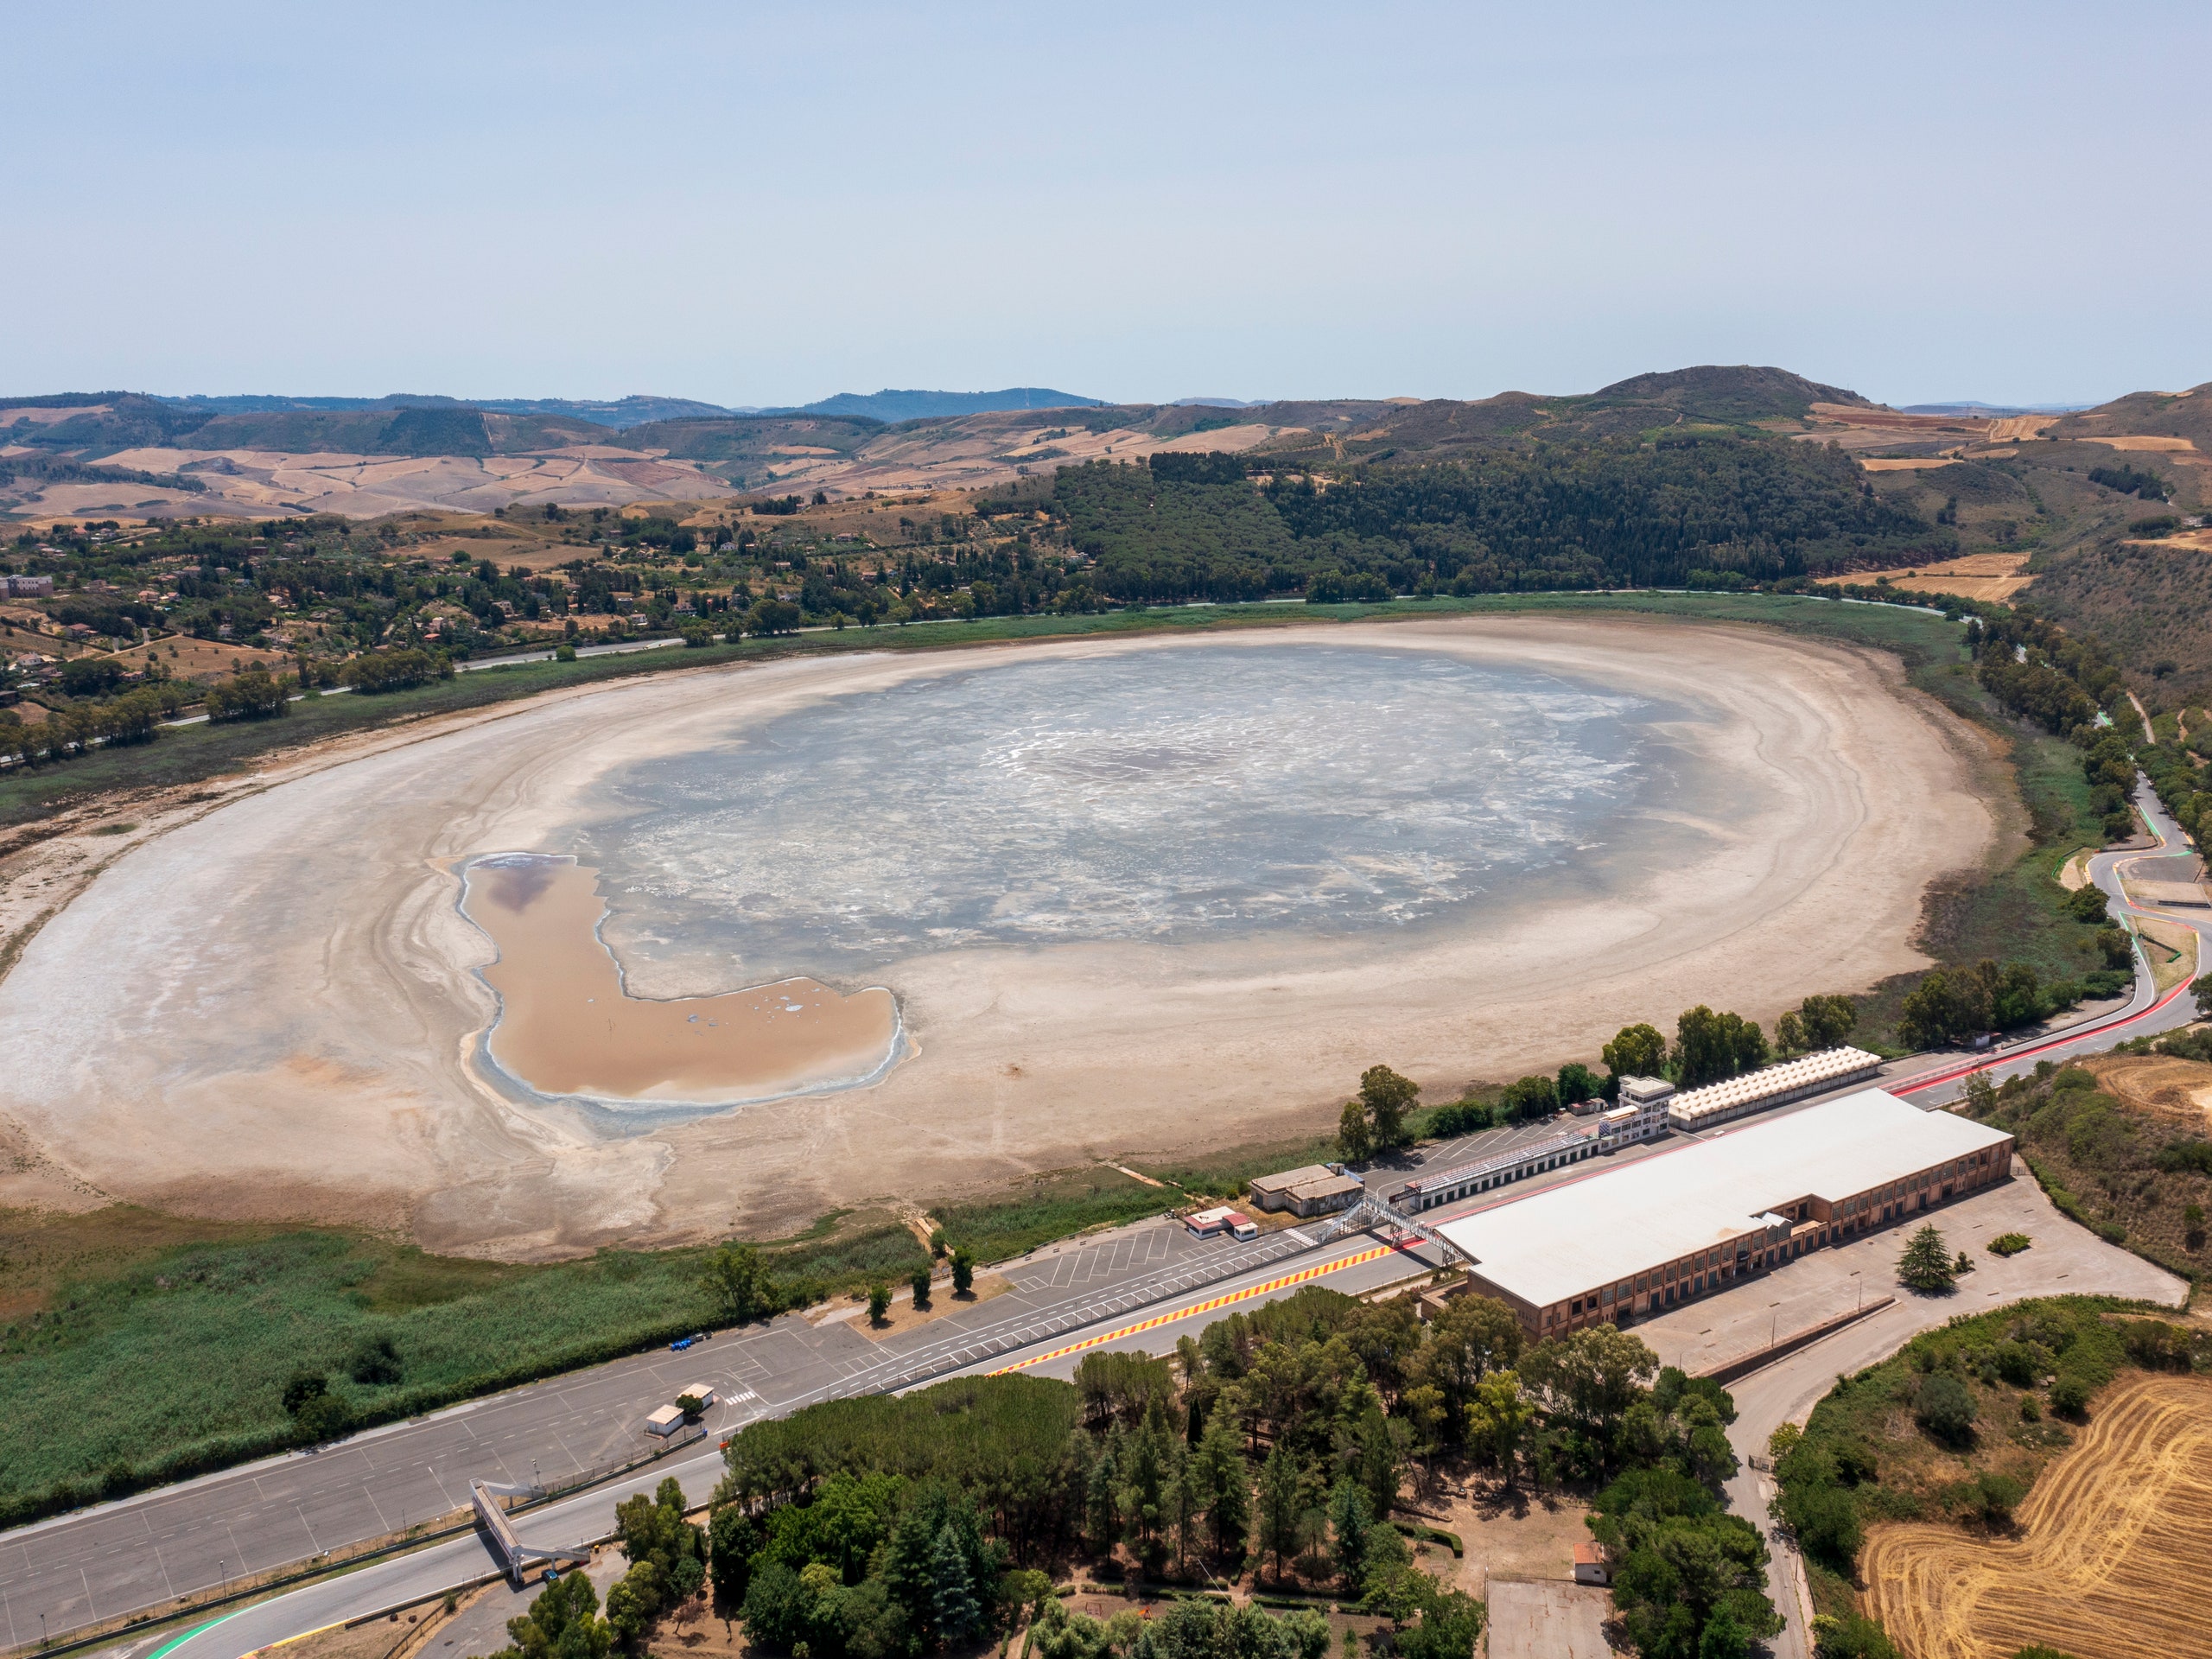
pixel 1822 1284
pixel 1548 1618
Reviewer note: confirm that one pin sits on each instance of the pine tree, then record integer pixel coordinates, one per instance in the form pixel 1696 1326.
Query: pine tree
pixel 1280 1506
pixel 909 1566
pixel 1144 1489
pixel 952 1594
pixel 1926 1264
pixel 1186 1504
pixel 1382 1462
pixel 1102 1505
pixel 1351 1517
pixel 1226 1481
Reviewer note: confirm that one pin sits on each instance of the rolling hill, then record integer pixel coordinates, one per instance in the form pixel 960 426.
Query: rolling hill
pixel 2091 508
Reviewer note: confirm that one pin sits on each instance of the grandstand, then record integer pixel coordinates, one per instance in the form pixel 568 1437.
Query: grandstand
pixel 1770 1085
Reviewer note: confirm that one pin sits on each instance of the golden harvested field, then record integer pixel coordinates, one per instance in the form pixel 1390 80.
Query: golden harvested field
pixel 1992 577
pixel 2013 428
pixel 2151 442
pixel 2107 1560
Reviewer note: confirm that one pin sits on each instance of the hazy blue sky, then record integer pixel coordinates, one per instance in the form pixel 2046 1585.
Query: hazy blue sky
pixel 769 204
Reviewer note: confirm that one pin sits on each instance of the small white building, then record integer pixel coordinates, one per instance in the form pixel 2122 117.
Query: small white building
pixel 1591 1564
pixel 1209 1224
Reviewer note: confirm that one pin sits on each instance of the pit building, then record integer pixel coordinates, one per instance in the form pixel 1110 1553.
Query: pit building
pixel 1642 1237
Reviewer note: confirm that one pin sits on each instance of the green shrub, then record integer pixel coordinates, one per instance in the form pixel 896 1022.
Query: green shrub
pixel 2069 1397
pixel 1943 1407
pixel 1851 1636
pixel 1998 1496
pixel 2009 1244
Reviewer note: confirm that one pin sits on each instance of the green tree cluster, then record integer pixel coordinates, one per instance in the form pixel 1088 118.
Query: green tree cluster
pixel 667 1556
pixel 1526 1099
pixel 320 1414
pixel 254 694
pixel 563 1623
pixel 2040 671
pixel 399 670
pixel 1819 1022
pixel 1951 1005
pixel 1278 1440
pixel 1185 1629
pixel 133 717
pixel 1710 1046
pixel 1375 1120
pixel 737 1277
pixel 1689 1579
pixel 885 1568
pixel 1636 1052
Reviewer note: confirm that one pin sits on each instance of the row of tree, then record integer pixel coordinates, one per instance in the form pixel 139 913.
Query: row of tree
pixel 1952 1005
pixel 1707 1048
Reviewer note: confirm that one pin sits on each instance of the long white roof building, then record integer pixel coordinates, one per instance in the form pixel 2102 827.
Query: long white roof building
pixel 1642 1235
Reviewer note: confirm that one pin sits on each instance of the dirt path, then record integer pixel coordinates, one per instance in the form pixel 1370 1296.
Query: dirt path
pixel 2143 715
pixel 2106 1560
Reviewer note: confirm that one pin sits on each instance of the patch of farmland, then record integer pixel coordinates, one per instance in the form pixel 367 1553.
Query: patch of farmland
pixel 2106 1560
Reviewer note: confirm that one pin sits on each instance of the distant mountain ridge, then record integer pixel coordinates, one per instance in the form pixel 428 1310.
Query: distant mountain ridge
pixel 622 413
pixel 892 407
pixel 619 414
pixel 1992 411
pixel 751 448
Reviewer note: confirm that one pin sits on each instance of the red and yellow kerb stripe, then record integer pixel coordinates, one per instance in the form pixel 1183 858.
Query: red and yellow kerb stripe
pixel 1181 1313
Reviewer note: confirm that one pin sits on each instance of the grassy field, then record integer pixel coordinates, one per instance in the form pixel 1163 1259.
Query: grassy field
pixel 190 754
pixel 1051 1206
pixel 2008 911
pixel 136 1347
